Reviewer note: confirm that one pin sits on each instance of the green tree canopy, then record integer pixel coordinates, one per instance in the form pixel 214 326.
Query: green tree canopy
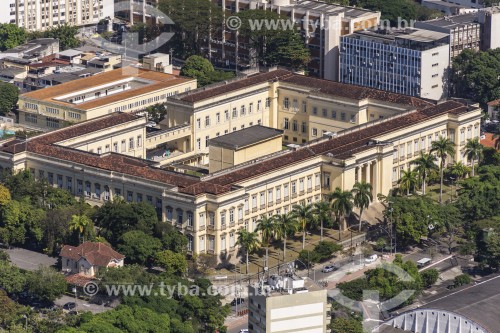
pixel 46 283
pixel 138 247
pixel 475 75
pixel 9 95
pixel 203 71
pixel 173 263
pixel 11 36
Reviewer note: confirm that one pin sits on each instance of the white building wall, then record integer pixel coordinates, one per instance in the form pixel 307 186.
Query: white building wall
pixel 434 73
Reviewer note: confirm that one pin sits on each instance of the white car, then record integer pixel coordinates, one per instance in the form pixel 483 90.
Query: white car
pixel 245 330
pixel 371 258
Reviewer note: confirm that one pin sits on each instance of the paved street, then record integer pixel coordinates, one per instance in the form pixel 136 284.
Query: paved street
pixel 29 260
pixel 81 305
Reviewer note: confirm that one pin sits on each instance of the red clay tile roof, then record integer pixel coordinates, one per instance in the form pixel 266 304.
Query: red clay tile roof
pixel 78 280
pixel 494 103
pixel 488 141
pixel 97 254
pixel 353 92
pixel 220 89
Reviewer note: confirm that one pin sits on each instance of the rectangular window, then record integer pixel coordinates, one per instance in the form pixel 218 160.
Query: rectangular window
pixel 198 123
pixel 315 110
pixel 207 121
pixel 250 108
pixel 285 188
pixel 217 117
pixel 115 147
pixel 139 141
pixel 130 196
pixel 304 127
pixel 207 140
pixel 295 126
pixel 314 132
pixel 259 105
pixel 295 104
pixel 294 188
pixel 235 113
pixel 268 102
pixel 131 143
pixel 124 146
pixel 262 198
pixel 334 114
pixel 254 201
pixel 325 113
pixel 309 183
pixel 223 218
pixel 180 216
pixel 304 106
pixel 226 115
pixel 169 214
pixel 278 193
pixel 198 143
pixel 301 185
pixel 286 124
pixel 286 103
pixel 342 116
pixel 270 196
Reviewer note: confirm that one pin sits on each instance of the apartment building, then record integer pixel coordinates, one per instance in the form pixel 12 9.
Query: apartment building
pixel 128 89
pixel 320 24
pixel 410 61
pixel 490 20
pixel 288 303
pixel 39 15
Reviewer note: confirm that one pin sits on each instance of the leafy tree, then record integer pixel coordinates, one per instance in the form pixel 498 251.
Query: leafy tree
pixel 459 170
pixel 11 278
pixel 46 283
pixel 9 94
pixel 408 180
pixel 267 228
pixel 11 36
pixel 80 224
pixel 287 49
pixel 280 45
pixel 309 257
pixel 195 21
pixel 156 112
pixel 303 214
pixel 138 247
pixel 429 277
pixel 451 228
pixel 249 241
pixel 341 202
pixel 171 238
pixel 66 35
pixel 475 75
pixel 474 151
pixel 346 325
pixel 442 147
pixel 173 263
pixel 285 226
pixel 322 212
pixel 325 249
pixel 203 71
pixel 362 196
pixel 4 195
pixel 491 156
pixel 424 164
pixel 118 217
pixel 20 222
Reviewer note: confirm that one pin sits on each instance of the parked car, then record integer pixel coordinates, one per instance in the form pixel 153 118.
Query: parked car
pixel 329 268
pixel 69 306
pixel 237 301
pixel 371 258
pixel 245 330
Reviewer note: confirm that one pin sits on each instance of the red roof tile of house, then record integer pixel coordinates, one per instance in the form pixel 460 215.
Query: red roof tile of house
pixel 97 254
pixel 494 103
pixel 488 141
pixel 79 280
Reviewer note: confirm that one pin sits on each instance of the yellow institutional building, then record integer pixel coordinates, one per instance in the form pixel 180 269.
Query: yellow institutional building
pixel 337 134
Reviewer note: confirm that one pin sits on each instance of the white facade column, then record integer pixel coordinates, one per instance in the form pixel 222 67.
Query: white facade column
pixel 368 172
pixel 375 185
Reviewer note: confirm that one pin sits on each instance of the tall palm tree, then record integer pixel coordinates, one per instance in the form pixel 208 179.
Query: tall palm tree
pixel 303 214
pixel 341 203
pixel 322 211
pixel 474 151
pixel 408 180
pixel 424 164
pixel 362 197
pixel 442 147
pixel 79 223
pixel 286 225
pixel 249 241
pixel 459 170
pixel 266 227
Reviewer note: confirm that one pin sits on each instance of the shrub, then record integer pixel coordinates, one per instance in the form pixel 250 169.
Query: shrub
pixel 462 280
pixel 325 249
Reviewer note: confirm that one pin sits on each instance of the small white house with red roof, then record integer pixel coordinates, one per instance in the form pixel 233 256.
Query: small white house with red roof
pixel 88 257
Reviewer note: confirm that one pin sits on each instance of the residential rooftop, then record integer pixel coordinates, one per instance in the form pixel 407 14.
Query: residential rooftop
pixel 153 81
pixel 246 137
pixel 416 35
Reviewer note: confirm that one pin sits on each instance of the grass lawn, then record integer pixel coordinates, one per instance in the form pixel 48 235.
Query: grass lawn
pixel 433 191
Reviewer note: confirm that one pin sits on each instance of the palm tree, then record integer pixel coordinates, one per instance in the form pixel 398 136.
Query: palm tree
pixel 249 241
pixel 303 214
pixel 424 165
pixel 408 180
pixel 322 211
pixel 286 225
pixel 459 170
pixel 362 194
pixel 474 151
pixel 442 147
pixel 79 223
pixel 341 202
pixel 266 227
